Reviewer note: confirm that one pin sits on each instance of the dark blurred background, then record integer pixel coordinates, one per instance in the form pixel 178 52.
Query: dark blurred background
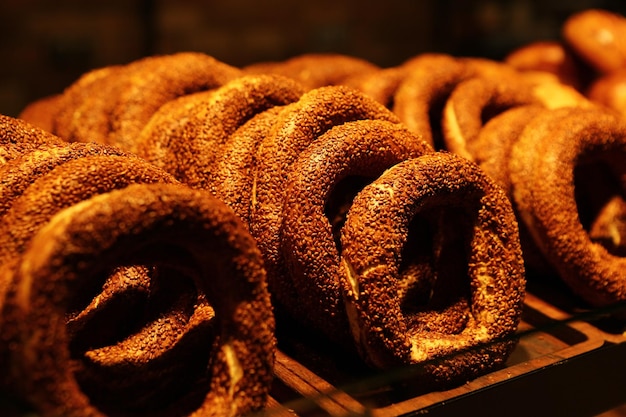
pixel 46 45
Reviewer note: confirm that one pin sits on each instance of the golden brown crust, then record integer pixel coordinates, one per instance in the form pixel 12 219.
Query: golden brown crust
pixel 382 85
pixel 59 179
pixel 598 37
pixel 164 141
pixel 554 94
pixel 161 223
pixel 112 104
pixel 477 99
pixel 18 137
pixel 492 148
pixel 150 82
pixel 610 90
pixel 85 106
pixel 314 70
pixel 489 68
pixel 233 176
pixel 295 128
pixel 470 304
pixel 544 160
pixel 66 184
pixel 356 151
pixel 472 103
pixel 21 172
pixel 150 353
pixel 43 181
pixel 492 152
pixel 185 137
pixel 139 364
pixel 421 96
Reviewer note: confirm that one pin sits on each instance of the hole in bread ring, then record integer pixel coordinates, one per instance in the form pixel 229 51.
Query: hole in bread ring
pixel 163 225
pixel 487 263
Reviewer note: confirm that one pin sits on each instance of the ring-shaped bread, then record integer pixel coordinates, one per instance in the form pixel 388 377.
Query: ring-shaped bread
pixel 319 190
pixel 597 37
pixel 549 56
pixel 41 112
pixel 297 126
pixel 232 178
pixel 382 85
pixel 61 177
pixel 421 95
pixel 479 272
pixel 185 136
pixel 148 83
pixel 21 172
pixel 550 166
pixel 491 149
pixel 65 185
pixel 314 70
pixel 84 107
pixel 164 225
pixel 473 102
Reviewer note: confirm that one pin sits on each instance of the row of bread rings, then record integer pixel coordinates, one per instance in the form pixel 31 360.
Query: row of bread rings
pixel 275 150
pixel 171 331
pixel 277 156
pixel 268 132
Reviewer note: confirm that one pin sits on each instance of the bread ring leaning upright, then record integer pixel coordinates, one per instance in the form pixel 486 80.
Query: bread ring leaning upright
pixel 319 190
pixel 451 303
pixel 552 163
pixel 296 127
pixel 168 226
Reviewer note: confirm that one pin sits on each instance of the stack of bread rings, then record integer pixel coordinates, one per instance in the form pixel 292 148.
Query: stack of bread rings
pixel 395 212
pixel 123 290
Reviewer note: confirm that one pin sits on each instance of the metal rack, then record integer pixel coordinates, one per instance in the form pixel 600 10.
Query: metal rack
pixel 569 361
